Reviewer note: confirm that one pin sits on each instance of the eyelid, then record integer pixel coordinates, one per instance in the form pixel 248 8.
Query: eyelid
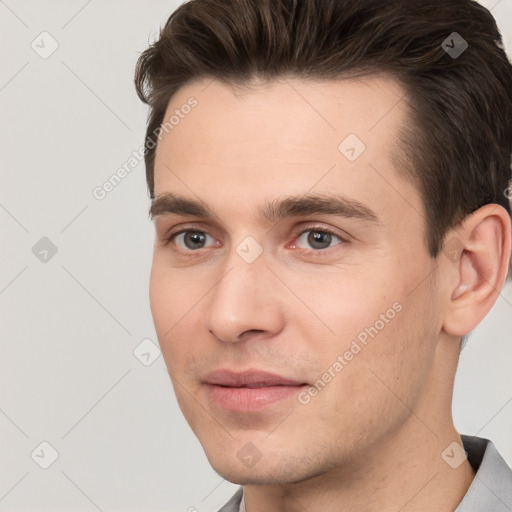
pixel 170 235
pixel 342 235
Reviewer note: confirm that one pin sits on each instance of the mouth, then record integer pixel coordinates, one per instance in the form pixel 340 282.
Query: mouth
pixel 249 391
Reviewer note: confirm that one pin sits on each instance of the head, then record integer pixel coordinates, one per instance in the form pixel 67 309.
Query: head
pixel 331 205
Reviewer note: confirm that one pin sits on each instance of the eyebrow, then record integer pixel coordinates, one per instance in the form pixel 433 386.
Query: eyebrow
pixel 273 211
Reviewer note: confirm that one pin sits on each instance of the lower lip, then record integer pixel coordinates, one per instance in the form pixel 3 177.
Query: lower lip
pixel 250 399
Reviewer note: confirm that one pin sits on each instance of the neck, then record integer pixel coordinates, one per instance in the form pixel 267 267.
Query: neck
pixel 409 475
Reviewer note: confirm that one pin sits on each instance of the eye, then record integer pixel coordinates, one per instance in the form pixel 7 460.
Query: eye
pixel 191 240
pixel 317 239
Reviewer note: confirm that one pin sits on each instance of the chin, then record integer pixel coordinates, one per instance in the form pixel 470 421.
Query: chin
pixel 268 470
pixel 247 476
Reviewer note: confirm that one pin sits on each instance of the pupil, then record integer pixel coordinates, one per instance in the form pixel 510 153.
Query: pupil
pixel 319 240
pixel 193 240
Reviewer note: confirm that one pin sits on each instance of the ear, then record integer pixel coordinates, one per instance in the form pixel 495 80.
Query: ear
pixel 475 268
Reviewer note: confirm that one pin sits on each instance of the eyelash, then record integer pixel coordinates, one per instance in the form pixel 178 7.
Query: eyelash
pixel 320 229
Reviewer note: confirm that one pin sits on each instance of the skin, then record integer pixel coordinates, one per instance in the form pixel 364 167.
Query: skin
pixel 372 438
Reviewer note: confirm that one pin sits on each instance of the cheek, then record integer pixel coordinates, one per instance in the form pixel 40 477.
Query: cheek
pixel 174 301
pixel 173 294
pixel 383 346
pixel 401 362
pixel 347 309
pixel 162 301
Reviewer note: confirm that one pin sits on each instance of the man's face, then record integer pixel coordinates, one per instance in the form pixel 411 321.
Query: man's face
pixel 336 299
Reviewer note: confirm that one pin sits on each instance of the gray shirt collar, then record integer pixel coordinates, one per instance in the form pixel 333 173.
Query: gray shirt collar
pixel 491 489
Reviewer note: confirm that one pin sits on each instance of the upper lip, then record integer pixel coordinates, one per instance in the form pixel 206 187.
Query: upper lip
pixel 249 378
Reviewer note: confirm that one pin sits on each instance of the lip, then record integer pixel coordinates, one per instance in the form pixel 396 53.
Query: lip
pixel 250 390
pixel 249 378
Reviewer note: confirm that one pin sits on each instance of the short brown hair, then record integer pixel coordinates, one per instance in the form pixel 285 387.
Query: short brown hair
pixel 457 145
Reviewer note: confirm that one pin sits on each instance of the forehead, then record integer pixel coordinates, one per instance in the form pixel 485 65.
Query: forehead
pixel 294 110
pixel 288 136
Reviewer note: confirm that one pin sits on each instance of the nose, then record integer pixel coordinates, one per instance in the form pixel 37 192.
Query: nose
pixel 244 302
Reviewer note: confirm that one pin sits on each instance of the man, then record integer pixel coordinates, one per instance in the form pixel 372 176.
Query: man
pixel 329 184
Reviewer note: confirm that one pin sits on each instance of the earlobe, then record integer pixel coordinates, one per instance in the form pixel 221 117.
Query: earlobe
pixel 481 268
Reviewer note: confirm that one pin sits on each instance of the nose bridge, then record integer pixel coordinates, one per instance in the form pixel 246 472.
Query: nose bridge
pixel 242 300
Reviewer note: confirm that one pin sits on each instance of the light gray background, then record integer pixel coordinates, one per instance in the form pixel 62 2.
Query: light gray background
pixel 70 325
